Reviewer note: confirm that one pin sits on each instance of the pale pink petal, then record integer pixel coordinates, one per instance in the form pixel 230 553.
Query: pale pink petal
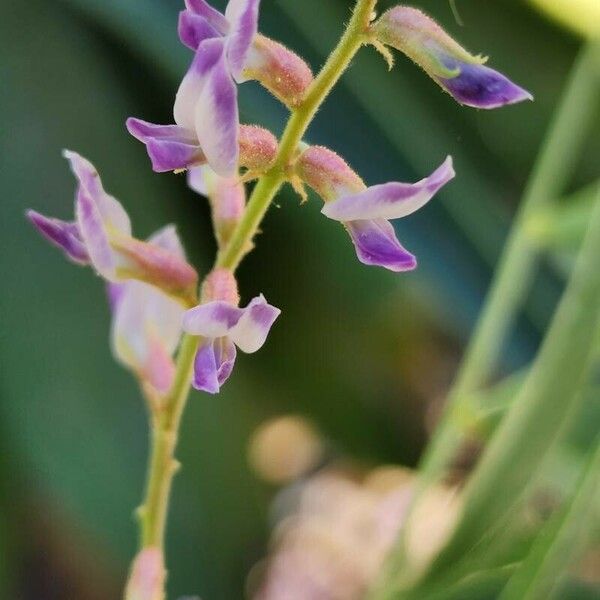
pixel 251 330
pixel 216 113
pixel 242 16
pixel 168 239
pixel 389 200
pixel 94 235
pixel 213 319
pixel 112 213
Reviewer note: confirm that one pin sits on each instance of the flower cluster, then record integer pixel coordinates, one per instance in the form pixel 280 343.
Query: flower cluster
pixel 152 288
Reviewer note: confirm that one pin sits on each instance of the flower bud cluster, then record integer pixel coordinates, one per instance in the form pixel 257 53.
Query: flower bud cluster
pixel 150 282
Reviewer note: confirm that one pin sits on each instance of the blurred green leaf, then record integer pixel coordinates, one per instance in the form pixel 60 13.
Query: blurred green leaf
pixel 561 539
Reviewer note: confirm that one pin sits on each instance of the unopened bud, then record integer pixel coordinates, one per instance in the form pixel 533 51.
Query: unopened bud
pixel 220 284
pixel 258 148
pixel 155 265
pixel 147 576
pixel 327 173
pixel 460 73
pixel 279 70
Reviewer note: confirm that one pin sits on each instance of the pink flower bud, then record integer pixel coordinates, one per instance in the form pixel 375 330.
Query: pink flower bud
pixel 460 73
pixel 220 285
pixel 155 265
pixel 327 173
pixel 147 576
pixel 279 70
pixel 258 148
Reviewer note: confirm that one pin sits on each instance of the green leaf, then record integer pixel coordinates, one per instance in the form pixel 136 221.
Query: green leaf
pixel 549 394
pixel 561 540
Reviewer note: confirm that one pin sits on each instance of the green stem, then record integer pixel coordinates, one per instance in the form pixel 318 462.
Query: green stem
pixel 165 425
pixel 542 407
pixel 510 284
pixel 265 190
pixel 162 465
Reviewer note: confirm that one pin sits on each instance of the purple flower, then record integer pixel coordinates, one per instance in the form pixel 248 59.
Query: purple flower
pixel 206 103
pixel 174 148
pixel 146 323
pixel 100 235
pixel 366 211
pixel 460 73
pixel 224 326
pixel 256 56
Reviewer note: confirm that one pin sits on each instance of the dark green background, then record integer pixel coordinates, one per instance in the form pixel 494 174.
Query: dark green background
pixel 362 352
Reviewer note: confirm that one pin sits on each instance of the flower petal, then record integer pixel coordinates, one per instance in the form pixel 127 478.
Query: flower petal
pixel 94 235
pixel 144 131
pixel 213 319
pixel 242 16
pixel 376 244
pixel 389 200
pixel 216 114
pixel 481 87
pixel 62 234
pixel 146 330
pixel 192 83
pixel 112 213
pixel 213 364
pixel 251 330
pixel 212 15
pixel 193 29
pixel 170 147
pixel 172 156
pixel 168 239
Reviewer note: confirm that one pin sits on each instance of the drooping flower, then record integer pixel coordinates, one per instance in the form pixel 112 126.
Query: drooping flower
pixel 274 66
pixel 206 102
pixel 146 323
pixel 174 148
pixel 224 325
pixel 366 211
pixel 227 198
pixel 460 73
pixel 147 576
pixel 100 235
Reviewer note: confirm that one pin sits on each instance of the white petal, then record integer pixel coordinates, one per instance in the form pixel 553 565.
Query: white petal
pixel 251 331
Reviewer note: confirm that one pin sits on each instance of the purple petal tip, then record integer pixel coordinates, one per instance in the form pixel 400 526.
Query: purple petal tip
pixel 481 87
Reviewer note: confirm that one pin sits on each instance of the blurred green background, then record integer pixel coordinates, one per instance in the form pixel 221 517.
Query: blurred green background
pixel 365 354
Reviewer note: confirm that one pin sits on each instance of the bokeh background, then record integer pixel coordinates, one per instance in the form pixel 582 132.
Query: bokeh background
pixel 364 355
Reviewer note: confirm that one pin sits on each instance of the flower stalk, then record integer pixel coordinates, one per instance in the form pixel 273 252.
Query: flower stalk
pixel 165 422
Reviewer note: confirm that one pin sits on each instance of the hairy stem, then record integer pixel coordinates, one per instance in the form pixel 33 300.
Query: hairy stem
pixel 165 426
pixel 265 190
